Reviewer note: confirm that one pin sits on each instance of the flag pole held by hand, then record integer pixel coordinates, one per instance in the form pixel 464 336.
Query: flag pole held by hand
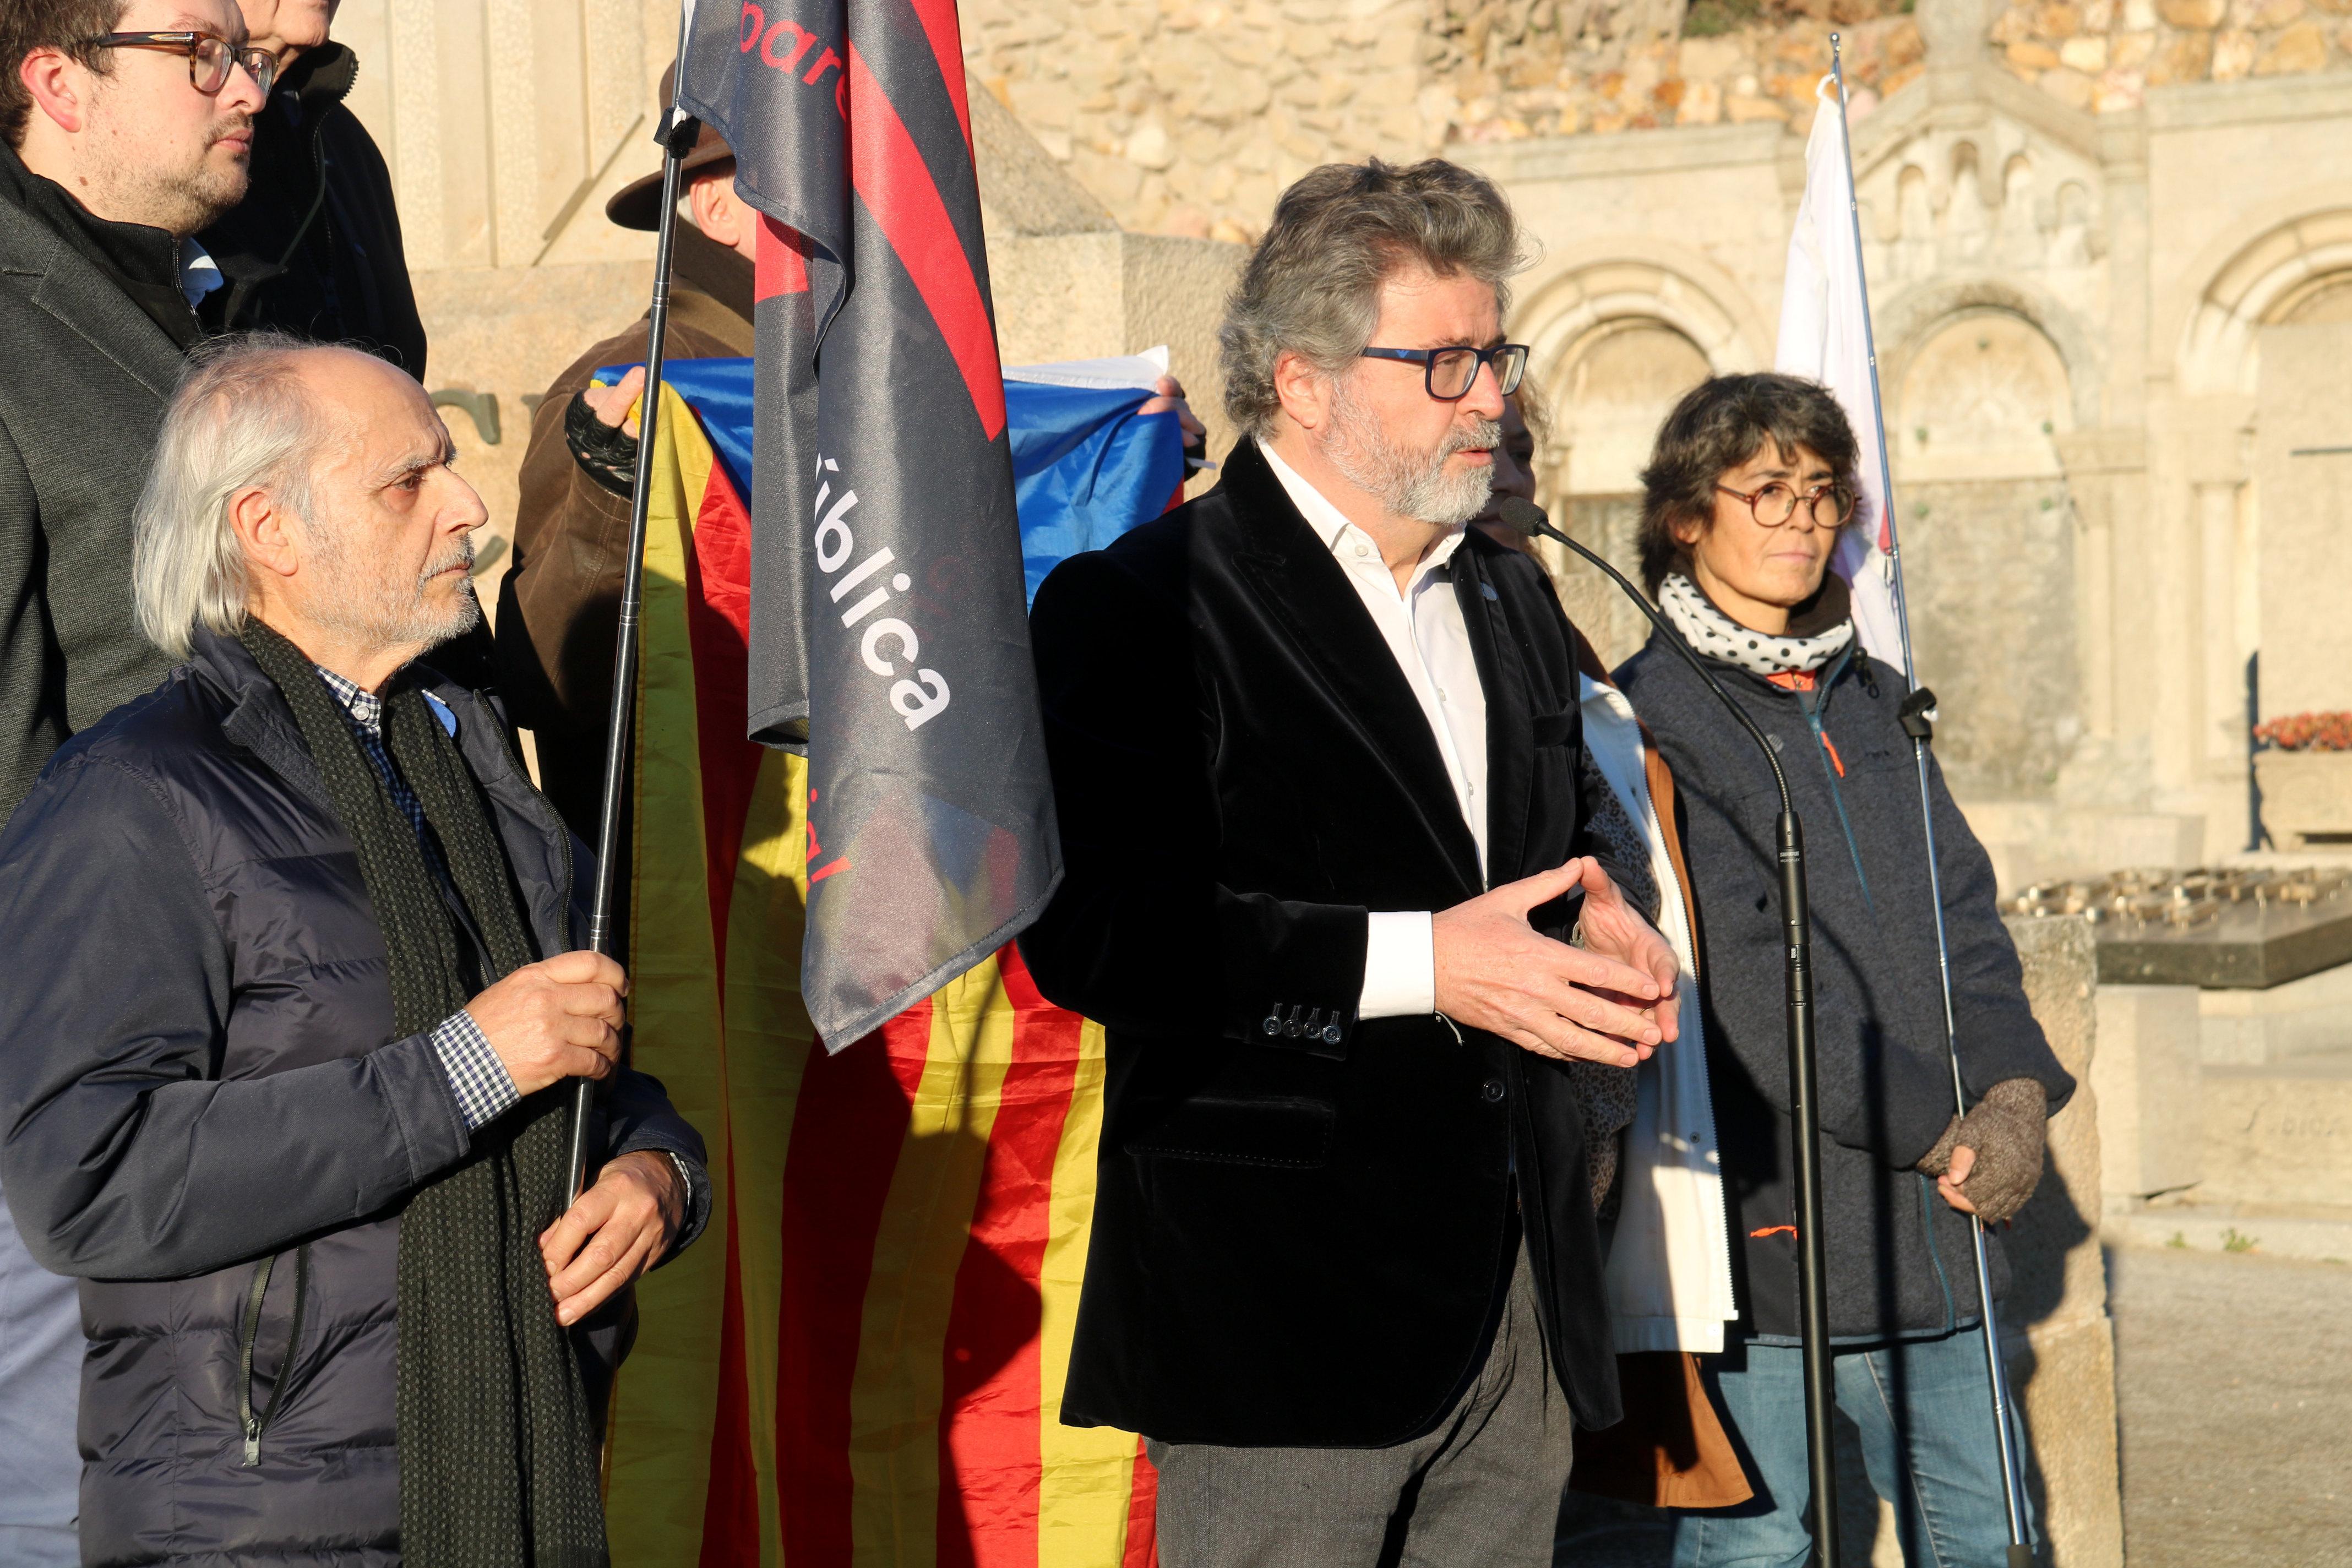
pixel 678 139
pixel 1916 712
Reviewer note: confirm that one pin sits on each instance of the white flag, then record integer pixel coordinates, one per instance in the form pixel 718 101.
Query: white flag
pixel 1825 337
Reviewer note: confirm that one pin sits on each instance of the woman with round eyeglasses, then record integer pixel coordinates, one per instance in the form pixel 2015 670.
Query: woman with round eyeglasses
pixel 1750 487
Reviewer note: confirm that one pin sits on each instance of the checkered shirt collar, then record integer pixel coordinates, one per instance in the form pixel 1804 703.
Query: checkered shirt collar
pixel 364 706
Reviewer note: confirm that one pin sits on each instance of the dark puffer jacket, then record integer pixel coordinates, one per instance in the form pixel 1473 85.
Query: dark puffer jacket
pixel 1899 1262
pixel 201 1096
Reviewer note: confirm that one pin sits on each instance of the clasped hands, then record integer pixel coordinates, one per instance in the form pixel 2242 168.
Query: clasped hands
pixel 1612 1000
pixel 561 1018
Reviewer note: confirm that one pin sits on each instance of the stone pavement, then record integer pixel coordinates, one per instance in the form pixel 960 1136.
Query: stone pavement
pixel 2233 1377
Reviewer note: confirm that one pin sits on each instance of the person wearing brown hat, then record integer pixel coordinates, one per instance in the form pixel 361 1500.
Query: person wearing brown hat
pixel 560 605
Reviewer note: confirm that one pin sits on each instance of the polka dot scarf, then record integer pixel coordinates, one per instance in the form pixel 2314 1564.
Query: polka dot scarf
pixel 1715 635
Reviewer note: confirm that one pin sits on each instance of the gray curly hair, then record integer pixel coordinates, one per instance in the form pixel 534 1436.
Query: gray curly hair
pixel 1312 285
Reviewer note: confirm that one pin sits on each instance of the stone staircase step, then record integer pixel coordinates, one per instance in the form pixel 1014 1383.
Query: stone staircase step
pixel 2315 1232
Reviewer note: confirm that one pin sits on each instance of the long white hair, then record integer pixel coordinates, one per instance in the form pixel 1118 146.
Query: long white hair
pixel 239 420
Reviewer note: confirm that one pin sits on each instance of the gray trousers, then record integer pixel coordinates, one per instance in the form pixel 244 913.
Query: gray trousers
pixel 1480 1491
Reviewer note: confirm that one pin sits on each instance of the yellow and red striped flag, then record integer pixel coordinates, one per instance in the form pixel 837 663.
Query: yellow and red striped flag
pixel 862 1362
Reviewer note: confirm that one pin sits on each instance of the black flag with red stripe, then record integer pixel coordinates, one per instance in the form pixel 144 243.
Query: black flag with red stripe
pixel 889 634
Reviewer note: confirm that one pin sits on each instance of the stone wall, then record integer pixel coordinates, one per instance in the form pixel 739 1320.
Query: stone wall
pixel 2104 55
pixel 1648 65
pixel 1188 117
pixel 2061 1343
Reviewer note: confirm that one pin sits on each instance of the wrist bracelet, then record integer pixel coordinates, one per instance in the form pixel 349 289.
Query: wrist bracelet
pixel 684 1180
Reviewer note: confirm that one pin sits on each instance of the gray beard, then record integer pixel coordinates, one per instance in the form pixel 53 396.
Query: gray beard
pixel 1409 484
pixel 378 614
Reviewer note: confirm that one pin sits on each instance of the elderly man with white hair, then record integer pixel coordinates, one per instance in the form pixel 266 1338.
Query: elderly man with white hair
pixel 297 989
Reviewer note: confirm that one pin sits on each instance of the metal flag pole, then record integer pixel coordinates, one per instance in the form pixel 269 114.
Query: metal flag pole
pixel 678 134
pixel 1915 709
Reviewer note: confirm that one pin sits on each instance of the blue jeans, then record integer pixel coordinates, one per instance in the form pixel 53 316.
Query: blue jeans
pixel 1927 1440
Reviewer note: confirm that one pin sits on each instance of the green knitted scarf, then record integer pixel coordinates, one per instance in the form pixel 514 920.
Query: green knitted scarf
pixel 497 1461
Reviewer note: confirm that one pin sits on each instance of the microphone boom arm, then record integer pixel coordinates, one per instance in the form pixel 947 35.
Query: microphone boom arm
pixel 1805 1093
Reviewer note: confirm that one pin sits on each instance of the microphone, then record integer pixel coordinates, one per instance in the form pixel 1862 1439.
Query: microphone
pixel 1523 516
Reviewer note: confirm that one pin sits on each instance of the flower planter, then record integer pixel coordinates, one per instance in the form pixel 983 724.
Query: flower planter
pixel 2306 796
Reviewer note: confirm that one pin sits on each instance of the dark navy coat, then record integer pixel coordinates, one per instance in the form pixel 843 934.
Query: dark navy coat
pixel 1900 1259
pixel 199 1075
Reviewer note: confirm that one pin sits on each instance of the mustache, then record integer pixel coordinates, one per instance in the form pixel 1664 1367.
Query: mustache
pixel 461 554
pixel 1485 435
pixel 240 126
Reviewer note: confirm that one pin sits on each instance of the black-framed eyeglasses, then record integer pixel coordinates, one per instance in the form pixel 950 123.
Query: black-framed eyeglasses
pixel 209 56
pixel 1450 372
pixel 1829 506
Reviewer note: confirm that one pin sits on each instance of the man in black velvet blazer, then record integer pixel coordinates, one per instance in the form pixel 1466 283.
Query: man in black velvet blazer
pixel 1315 753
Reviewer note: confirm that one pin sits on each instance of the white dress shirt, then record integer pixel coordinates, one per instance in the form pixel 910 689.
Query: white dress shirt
pixel 1422 627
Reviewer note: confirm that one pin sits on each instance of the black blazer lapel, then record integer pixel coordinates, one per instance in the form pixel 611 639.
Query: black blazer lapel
pixel 1305 592
pixel 1511 734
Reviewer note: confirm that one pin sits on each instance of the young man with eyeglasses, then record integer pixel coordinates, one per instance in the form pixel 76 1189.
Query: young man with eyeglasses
pixel 1315 749
pixel 125 128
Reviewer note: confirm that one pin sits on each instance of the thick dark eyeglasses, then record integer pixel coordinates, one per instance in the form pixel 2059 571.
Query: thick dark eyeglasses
pixel 1450 372
pixel 1776 503
pixel 209 57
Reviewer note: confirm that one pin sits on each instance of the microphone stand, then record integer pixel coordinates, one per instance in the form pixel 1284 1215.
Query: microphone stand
pixel 678 139
pixel 1804 1092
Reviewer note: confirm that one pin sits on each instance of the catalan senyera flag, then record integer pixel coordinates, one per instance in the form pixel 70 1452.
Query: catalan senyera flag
pixel 861 1363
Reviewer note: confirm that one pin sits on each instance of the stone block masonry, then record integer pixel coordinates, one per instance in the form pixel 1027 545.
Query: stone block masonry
pixel 1188 117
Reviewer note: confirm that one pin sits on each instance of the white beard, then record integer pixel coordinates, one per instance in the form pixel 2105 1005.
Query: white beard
pixel 379 613
pixel 1409 484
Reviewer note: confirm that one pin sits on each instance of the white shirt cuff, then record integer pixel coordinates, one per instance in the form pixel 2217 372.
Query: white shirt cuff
pixel 1399 966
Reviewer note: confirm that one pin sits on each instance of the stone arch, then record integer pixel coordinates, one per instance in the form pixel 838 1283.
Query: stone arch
pixel 1907 322
pixel 2281 275
pixel 1609 389
pixel 1984 394
pixel 1589 286
pixel 1606 303
pixel 1982 377
pixel 1619 332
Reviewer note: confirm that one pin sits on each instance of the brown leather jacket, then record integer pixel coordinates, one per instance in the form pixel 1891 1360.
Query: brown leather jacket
pixel 560 600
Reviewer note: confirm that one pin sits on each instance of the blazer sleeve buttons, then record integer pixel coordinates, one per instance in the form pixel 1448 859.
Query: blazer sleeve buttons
pixel 1312 1027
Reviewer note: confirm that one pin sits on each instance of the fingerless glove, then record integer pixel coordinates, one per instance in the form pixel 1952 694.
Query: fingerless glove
pixel 2006 1130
